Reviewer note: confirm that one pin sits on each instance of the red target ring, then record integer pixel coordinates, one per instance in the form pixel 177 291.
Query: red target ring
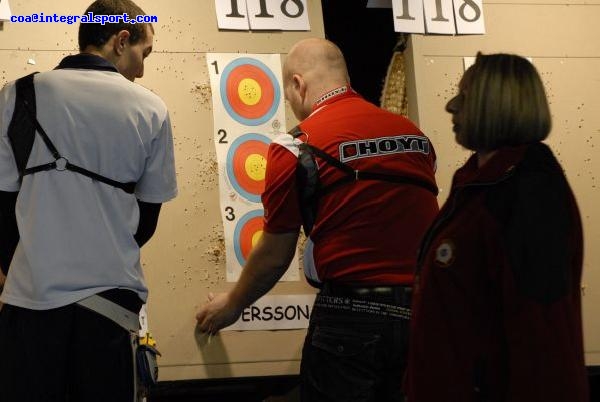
pixel 248 83
pixel 249 91
pixel 246 165
pixel 247 232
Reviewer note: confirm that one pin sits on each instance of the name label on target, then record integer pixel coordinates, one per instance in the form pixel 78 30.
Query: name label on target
pixel 275 312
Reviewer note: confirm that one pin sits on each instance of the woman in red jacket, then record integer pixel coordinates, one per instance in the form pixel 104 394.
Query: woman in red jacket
pixel 497 305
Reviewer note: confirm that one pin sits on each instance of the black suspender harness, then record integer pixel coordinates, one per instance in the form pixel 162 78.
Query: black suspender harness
pixel 310 190
pixel 21 132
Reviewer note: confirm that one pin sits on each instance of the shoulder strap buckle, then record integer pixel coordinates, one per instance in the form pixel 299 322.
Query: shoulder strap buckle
pixel 21 132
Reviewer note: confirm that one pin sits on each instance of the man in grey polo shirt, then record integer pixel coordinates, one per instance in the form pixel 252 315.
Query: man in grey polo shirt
pixel 81 233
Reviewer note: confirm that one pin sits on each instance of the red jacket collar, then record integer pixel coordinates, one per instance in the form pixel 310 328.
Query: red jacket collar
pixel 335 95
pixel 503 161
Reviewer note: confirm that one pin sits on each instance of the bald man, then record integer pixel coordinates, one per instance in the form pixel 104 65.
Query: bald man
pixel 376 198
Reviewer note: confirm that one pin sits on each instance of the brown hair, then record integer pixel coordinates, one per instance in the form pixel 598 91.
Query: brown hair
pixel 96 34
pixel 504 105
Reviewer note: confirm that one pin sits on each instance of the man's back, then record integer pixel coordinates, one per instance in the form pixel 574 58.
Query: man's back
pixel 77 233
pixel 366 231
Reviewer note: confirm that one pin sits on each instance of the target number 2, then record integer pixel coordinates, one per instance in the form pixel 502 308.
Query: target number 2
pixel 222 136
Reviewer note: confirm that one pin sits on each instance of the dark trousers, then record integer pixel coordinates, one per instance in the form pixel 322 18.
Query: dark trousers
pixel 354 357
pixel 63 354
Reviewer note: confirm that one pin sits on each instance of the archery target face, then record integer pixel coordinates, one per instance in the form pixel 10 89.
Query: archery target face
pixel 248 231
pixel 249 91
pixel 247 165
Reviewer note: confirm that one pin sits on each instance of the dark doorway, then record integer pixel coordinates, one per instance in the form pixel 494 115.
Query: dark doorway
pixel 366 37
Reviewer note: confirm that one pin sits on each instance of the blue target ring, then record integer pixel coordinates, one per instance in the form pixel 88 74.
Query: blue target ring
pixel 246 67
pixel 241 181
pixel 245 228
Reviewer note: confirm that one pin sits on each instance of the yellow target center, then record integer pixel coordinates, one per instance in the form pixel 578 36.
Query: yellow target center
pixel 256 166
pixel 249 91
pixel 256 237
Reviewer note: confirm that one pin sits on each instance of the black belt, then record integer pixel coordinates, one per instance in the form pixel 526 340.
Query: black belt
pixel 387 302
pixel 361 307
pixel 400 294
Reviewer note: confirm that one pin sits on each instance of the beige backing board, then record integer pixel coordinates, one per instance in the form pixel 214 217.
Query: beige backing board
pixel 185 259
pixel 560 37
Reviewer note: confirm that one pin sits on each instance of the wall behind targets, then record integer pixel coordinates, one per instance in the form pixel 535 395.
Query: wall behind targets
pixel 185 260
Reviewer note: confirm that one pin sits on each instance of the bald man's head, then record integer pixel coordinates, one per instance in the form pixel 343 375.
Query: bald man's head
pixel 318 56
pixel 312 67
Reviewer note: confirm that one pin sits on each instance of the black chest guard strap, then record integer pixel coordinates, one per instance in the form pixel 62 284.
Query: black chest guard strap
pixel 310 189
pixel 21 133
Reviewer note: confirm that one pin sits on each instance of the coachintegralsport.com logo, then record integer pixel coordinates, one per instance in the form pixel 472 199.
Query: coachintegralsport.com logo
pixel 89 18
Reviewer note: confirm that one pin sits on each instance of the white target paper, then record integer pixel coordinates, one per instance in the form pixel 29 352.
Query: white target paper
pixel 248 113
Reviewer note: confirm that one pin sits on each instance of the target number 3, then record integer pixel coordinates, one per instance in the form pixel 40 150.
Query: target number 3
pixel 229 214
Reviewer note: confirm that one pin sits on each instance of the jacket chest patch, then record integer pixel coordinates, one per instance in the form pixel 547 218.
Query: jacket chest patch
pixel 445 253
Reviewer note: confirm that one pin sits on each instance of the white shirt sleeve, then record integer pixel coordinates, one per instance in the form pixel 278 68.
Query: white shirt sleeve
pixel 9 175
pixel 158 182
